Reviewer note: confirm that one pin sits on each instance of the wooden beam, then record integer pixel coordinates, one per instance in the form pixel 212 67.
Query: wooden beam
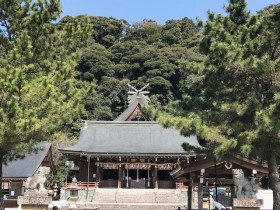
pixel 195 166
pixel 211 181
pixel 251 164
pixel 208 163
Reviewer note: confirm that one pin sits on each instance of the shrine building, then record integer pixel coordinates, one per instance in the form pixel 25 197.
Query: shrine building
pixel 130 152
pixel 135 152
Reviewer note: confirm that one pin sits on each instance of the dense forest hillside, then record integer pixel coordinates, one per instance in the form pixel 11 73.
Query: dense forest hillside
pixel 119 53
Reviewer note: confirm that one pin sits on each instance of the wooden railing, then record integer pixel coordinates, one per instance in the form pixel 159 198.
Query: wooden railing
pixel 82 185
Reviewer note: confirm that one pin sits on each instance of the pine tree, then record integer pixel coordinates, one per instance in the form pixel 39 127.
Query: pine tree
pixel 233 100
pixel 38 92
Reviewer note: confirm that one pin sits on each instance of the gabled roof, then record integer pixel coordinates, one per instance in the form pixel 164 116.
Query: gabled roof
pixel 26 167
pixel 124 136
pixel 188 167
pixel 130 137
pixel 138 101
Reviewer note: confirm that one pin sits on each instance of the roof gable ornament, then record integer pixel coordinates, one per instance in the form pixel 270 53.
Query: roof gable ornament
pixel 136 98
pixel 134 93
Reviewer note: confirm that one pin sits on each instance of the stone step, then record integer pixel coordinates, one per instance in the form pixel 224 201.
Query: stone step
pixel 137 196
pixel 139 206
pixel 104 196
pixel 130 196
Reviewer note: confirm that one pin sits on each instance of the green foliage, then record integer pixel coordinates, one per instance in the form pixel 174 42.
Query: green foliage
pixel 95 63
pixel 232 101
pixel 61 140
pixel 107 31
pixel 182 32
pixel 62 172
pixel 234 94
pixel 38 89
pixel 137 54
pixel 147 30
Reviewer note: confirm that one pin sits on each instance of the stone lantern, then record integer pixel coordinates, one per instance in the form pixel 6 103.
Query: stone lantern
pixel 74 189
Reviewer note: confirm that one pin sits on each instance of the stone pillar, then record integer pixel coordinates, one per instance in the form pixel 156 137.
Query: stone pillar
pixel 190 195
pixel 155 177
pixel 200 196
pixel 245 204
pixel 120 175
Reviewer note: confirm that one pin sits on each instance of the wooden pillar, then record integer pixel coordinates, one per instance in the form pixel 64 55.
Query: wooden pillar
pixel 155 177
pixel 149 179
pixel 127 177
pixel 200 196
pixel 101 175
pixel 232 191
pixel 137 178
pixel 190 195
pixel 120 175
pixel 88 171
pixel 98 174
pixel 80 170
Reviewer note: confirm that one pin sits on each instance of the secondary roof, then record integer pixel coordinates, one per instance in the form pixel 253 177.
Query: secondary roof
pixel 27 166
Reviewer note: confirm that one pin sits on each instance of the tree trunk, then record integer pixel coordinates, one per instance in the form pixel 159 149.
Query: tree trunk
pixel 1 181
pixel 274 180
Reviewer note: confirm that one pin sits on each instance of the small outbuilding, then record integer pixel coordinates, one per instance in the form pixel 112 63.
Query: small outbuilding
pixel 17 171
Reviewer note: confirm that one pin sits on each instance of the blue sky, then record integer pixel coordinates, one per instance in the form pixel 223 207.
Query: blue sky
pixel 158 10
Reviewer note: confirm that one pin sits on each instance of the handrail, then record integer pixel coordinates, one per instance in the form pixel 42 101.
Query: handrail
pixel 82 185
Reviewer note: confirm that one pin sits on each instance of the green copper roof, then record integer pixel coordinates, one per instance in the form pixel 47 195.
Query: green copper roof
pixel 129 137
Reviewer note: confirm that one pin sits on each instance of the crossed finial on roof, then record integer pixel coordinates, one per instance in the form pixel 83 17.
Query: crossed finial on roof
pixel 135 93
